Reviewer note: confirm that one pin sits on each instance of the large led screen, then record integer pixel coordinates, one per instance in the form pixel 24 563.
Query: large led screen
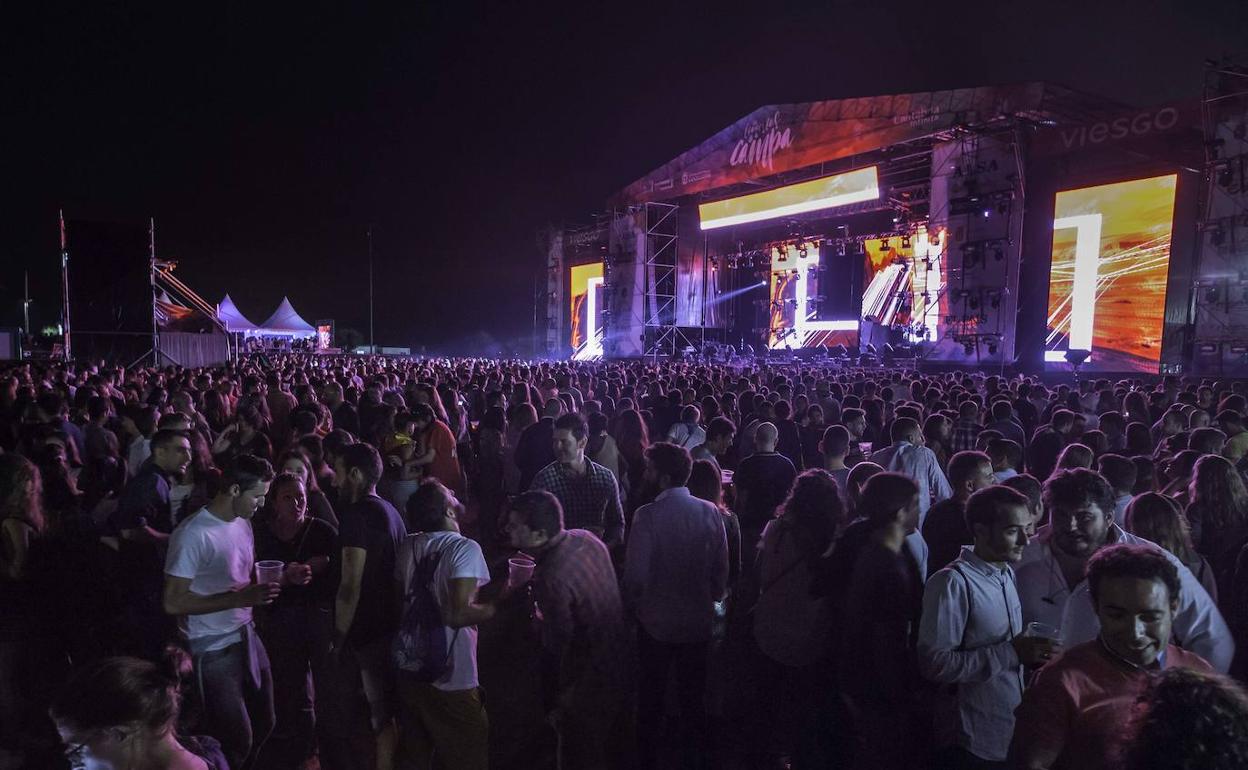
pixel 585 290
pixel 793 318
pixel 815 195
pixel 1107 280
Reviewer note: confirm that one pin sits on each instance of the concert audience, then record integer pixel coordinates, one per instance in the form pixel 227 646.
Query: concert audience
pixel 787 630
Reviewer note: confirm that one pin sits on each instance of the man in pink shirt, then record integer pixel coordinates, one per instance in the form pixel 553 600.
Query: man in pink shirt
pixel 1075 713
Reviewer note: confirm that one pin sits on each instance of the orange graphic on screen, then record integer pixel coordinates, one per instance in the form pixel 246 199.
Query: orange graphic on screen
pixel 1107 281
pixel 580 280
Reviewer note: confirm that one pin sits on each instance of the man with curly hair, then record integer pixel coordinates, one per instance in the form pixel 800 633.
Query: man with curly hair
pixel 1075 713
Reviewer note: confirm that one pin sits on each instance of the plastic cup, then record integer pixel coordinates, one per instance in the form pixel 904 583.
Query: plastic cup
pixel 269 571
pixel 520 570
pixel 1043 631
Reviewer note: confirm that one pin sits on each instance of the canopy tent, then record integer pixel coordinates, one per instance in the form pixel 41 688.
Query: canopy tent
pixel 233 319
pixel 285 322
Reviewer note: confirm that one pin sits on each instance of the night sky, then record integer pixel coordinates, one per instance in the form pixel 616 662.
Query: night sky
pixel 264 141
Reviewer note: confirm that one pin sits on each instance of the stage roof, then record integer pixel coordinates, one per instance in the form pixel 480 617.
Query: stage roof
pixel 229 314
pixel 286 322
pixel 783 137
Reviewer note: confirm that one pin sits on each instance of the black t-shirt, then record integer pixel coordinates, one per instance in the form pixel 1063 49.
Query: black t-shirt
pixel 945 531
pixel 880 626
pixel 765 478
pixel 375 526
pixel 317 538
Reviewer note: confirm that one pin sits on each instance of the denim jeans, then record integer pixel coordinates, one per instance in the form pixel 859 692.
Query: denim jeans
pixel 238 712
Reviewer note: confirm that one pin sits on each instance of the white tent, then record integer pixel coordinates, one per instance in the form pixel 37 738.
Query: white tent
pixel 235 322
pixel 285 322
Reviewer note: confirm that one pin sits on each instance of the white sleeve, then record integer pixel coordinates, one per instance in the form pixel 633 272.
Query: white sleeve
pixel 1198 626
pixel 184 554
pixel 467 562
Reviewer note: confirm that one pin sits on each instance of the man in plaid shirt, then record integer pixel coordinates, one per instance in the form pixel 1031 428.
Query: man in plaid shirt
pixel 585 642
pixel 587 492
pixel 966 429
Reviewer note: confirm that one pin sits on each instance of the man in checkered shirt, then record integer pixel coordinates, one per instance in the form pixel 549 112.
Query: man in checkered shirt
pixel 587 491
pixel 966 429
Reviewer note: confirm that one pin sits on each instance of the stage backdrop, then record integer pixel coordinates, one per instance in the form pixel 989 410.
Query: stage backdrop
pixel 784 137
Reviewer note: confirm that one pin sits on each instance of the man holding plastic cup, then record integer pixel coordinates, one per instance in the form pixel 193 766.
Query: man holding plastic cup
pixel 208 578
pixel 972 633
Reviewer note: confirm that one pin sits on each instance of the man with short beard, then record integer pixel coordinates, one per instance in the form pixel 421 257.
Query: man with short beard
pixel 1077 709
pixel 1080 506
pixel 971 633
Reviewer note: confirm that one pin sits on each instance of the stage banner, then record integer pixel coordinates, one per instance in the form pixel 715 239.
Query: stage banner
pixel 780 138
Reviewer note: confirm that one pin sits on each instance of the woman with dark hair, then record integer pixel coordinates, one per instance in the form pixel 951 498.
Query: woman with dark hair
pixel 1159 519
pixel 633 439
pixel 122 713
pixel 791 625
pixel 1217 512
pixel 297 627
pixel 706 483
pixel 244 436
pixel 1188 719
pixel 297 461
pixel 883 602
pixel 1135 409
pixel 785 622
pixel 216 410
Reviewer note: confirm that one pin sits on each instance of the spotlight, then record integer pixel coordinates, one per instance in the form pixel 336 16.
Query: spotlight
pixel 992 348
pixel 1226 175
pixel 998 254
pixel 996 301
pixel 1219 236
pixel 987 213
pixel 905 241
pixel 884 244
pixel 840 248
pixel 1212 294
pixel 968 348
pixel 801 251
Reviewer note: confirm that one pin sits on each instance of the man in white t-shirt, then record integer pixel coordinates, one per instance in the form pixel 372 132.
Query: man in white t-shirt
pixel 445 717
pixel 208 578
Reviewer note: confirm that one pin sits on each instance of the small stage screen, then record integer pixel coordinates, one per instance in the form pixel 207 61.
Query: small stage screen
pixel 585 290
pixel 1107 280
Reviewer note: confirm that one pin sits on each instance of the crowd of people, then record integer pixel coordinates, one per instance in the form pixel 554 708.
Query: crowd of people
pixel 291 562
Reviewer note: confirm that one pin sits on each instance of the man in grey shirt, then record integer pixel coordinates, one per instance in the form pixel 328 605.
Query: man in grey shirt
pixel 970 635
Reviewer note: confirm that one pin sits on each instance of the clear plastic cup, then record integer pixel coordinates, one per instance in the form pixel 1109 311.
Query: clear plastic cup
pixel 1043 631
pixel 269 571
pixel 520 570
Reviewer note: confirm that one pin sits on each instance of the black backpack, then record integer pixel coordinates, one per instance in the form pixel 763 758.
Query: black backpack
pixel 420 647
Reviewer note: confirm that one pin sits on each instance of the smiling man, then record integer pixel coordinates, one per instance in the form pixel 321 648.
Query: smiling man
pixel 1080 506
pixel 1077 710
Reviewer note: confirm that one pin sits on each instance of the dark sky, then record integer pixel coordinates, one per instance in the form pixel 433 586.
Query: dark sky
pixel 264 140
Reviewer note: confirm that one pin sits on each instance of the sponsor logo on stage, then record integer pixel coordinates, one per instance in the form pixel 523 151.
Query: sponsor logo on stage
pixel 1137 125
pixel 762 140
